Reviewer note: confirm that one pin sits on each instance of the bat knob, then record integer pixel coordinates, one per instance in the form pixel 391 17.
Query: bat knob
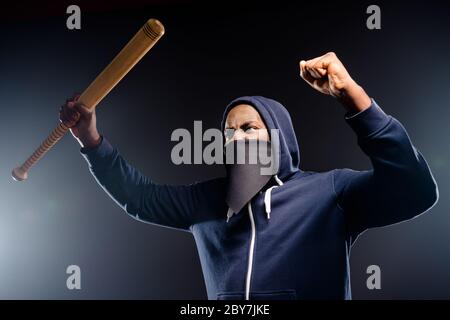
pixel 19 174
pixel 156 26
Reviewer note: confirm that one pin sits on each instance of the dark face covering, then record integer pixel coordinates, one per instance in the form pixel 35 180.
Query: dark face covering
pixel 249 165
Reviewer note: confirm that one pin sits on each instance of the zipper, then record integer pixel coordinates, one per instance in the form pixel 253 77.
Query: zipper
pixel 251 251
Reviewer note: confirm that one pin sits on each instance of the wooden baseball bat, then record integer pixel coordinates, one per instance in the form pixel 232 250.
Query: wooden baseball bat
pixel 125 60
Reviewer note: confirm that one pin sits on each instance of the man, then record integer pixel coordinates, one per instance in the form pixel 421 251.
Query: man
pixel 292 239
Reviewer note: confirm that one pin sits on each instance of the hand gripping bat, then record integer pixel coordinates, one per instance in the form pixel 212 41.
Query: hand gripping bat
pixel 125 60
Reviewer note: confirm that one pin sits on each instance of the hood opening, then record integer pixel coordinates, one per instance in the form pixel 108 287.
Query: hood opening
pixel 275 116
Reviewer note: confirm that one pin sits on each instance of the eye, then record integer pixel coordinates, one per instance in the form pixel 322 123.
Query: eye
pixel 250 130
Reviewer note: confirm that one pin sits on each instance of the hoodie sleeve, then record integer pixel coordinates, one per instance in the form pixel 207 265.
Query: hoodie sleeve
pixel 170 206
pixel 400 185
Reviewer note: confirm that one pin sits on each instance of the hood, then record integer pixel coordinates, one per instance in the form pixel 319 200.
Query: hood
pixel 275 116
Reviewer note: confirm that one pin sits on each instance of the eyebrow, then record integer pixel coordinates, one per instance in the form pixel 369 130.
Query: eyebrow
pixel 246 123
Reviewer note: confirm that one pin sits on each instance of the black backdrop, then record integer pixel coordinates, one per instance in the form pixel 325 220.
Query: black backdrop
pixel 211 53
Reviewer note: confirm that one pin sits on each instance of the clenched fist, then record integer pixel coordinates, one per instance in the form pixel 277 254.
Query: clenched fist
pixel 328 75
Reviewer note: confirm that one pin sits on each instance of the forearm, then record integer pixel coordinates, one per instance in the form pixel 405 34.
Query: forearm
pixel 384 140
pixel 90 141
pixel 121 181
pixel 397 165
pixel 171 206
pixel 400 185
pixel 354 98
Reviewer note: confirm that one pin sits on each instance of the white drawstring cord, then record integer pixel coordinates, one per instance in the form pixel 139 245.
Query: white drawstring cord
pixel 250 252
pixel 230 213
pixel 268 196
pixel 278 180
pixel 267 199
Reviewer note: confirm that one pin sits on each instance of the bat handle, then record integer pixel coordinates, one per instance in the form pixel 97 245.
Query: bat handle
pixel 21 173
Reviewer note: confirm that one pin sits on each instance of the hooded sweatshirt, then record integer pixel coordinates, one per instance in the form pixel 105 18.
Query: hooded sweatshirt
pixel 293 239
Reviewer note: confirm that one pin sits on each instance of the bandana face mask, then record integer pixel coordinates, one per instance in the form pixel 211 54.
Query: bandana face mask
pixel 250 166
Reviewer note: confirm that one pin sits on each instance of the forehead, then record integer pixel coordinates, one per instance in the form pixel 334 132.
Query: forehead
pixel 242 113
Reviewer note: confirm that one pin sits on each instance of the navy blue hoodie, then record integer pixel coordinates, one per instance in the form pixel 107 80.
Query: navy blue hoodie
pixel 293 239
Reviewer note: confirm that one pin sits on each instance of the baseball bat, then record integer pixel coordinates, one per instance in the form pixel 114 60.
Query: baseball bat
pixel 124 61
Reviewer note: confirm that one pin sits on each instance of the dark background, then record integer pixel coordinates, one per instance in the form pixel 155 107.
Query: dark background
pixel 211 53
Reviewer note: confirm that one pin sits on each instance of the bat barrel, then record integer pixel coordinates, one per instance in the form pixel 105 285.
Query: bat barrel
pixel 124 61
pixel 153 29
